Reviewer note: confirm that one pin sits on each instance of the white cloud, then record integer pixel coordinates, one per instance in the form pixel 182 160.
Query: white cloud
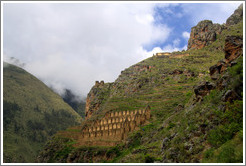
pixel 146 54
pixel 176 42
pixel 144 19
pixel 171 48
pixel 186 35
pixel 168 48
pixel 217 12
pixel 73 45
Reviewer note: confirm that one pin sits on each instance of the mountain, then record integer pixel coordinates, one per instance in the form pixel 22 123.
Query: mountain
pixel 75 102
pixel 179 107
pixel 31 114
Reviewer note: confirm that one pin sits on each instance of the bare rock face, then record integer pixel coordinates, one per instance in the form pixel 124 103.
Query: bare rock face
pixel 217 69
pixel 233 48
pixel 98 93
pixel 236 17
pixel 203 34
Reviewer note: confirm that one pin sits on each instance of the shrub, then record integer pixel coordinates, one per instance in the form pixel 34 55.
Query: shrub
pixel 209 153
pixel 113 151
pixel 149 159
pixel 171 125
pixel 222 133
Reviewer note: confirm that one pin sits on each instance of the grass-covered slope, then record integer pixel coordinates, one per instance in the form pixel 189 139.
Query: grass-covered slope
pixel 181 129
pixel 31 114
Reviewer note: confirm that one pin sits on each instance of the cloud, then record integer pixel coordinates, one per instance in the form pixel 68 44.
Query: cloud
pixel 217 12
pixel 73 45
pixel 171 48
pixel 14 61
pixel 176 42
pixel 186 35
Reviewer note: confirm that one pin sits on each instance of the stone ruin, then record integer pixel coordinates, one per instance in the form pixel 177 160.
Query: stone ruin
pixel 162 54
pixel 112 128
pixel 97 83
pixel 170 55
pixel 141 68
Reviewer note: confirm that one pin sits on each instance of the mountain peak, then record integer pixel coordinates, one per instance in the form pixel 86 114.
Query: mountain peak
pixel 236 17
pixel 203 34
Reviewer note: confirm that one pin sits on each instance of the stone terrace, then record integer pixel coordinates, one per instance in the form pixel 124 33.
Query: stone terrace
pixel 112 129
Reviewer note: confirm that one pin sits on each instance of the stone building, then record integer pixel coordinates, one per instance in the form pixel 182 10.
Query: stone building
pixel 162 54
pixel 113 127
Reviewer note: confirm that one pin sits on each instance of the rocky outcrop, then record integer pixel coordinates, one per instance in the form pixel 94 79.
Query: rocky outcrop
pixel 203 89
pixel 236 17
pixel 203 34
pixel 98 93
pixel 217 69
pixel 233 50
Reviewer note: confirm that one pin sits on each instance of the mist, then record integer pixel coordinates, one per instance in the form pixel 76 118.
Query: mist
pixel 70 46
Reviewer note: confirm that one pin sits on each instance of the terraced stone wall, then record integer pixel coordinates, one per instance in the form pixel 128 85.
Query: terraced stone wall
pixel 113 127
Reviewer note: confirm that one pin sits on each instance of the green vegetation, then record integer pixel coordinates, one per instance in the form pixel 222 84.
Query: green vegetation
pixel 31 114
pixel 180 129
pixel 72 100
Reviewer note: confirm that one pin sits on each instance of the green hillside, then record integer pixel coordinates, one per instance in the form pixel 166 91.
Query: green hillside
pixel 183 127
pixel 31 114
pixel 78 105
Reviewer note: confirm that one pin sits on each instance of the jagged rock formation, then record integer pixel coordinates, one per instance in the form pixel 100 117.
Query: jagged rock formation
pixel 233 49
pixel 111 129
pixel 236 17
pixel 203 89
pixel 95 97
pixel 203 34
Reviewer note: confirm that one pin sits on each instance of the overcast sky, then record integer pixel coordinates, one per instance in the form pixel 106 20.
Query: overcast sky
pixel 73 45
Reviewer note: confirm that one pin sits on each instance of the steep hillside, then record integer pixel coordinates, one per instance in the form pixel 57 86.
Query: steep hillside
pixel 75 102
pixel 31 114
pixel 195 102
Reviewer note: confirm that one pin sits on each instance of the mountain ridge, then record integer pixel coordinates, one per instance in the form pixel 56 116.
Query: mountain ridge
pixel 193 102
pixel 31 111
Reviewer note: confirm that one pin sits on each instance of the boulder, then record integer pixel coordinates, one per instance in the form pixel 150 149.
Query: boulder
pixel 217 69
pixel 203 89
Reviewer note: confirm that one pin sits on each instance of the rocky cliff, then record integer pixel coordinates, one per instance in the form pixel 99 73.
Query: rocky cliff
pixel 203 34
pixel 96 97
